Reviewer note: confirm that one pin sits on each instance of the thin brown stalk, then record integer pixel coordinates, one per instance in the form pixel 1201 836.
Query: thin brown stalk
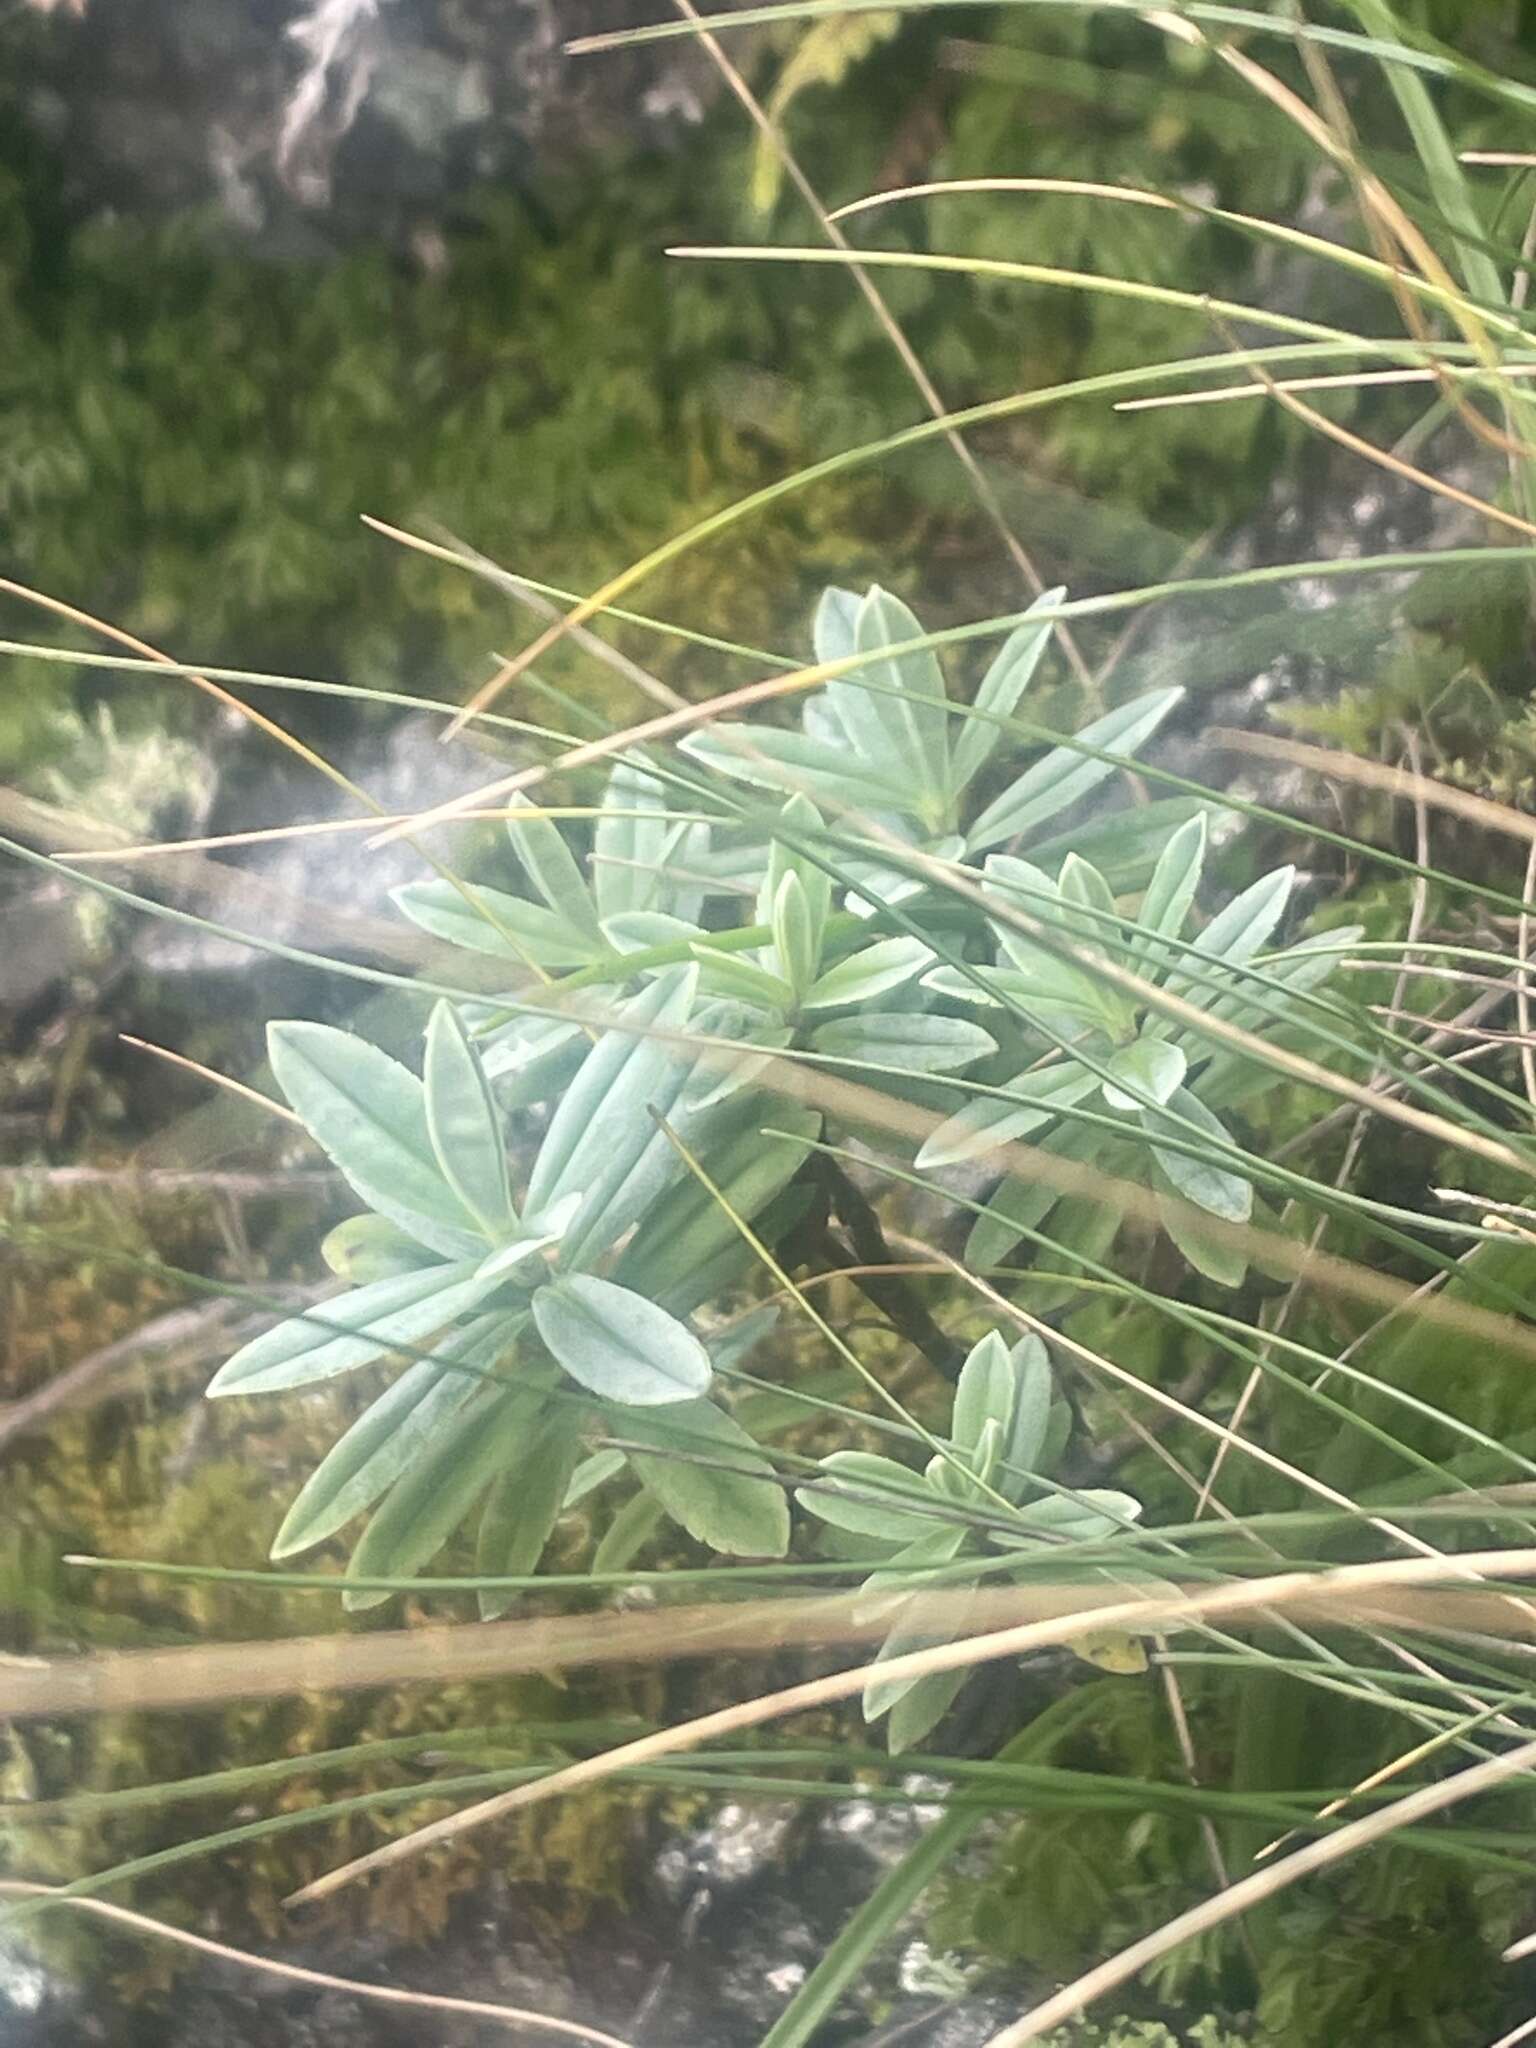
pixel 1398 782
pixel 217 691
pixel 211 1074
pixel 1432 1745
pixel 854 1103
pixel 1346 380
pixel 1261 1886
pixel 1523 982
pixel 1359 1589
pixel 181 1336
pixel 307 828
pixel 1384 458
pixel 296 1973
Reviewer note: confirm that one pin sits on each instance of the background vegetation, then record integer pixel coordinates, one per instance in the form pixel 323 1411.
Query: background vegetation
pixel 192 428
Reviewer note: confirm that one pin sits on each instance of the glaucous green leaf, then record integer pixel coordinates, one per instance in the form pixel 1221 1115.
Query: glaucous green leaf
pixel 485 920
pixel 730 1346
pixel 834 633
pixel 551 867
pixel 630 841
pixel 1055 984
pixel 1204 1249
pixel 429 1501
pixel 369 1113
pixel 737 977
pixel 871 1496
pixel 646 1131
pixel 870 732
pixel 801 818
pixel 922 1707
pixel 1020 885
pixel 627 1534
pixel 733 1264
pixel 901 725
pixel 1026 1443
pixel 984 1392
pixel 532 1236
pixel 880 885
pixel 1126 844
pixel 685 876
pixel 1014 1207
pixel 1018 1206
pixel 713 1481
pixel 1170 894
pixel 1268 1009
pixel 967 1480
pixel 930 1694
pixel 1147 1067
pixel 389 1435
pixel 988 1121
pixel 717 1075
pixel 1080 885
pixel 819 722
pixel 531 1053
pixel 796 938
pixel 1058 1429
pixel 352 1330
pixel 1064 775
pixel 636 931
pixel 1079 1516
pixel 608 1097
pixel 617 1344
pixel 1004 683
pixel 872 971
pixel 526 1499
pixel 1234 935
pixel 1216 1188
pixel 688 1227
pixel 1044 988
pixel 772 758
pixel 884 1591
pixel 592 1473
pixel 1081 1231
pixel 907 1040
pixel 464 1124
pixel 368 1248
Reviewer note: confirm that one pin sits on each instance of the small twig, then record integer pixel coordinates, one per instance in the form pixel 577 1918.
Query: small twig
pixel 895 1299
pixel 190 1332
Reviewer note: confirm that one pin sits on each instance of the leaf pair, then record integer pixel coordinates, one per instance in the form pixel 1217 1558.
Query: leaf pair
pixel 576 923
pixel 1141 1063
pixel 878 739
pixel 1007 1428
pixel 429 1159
